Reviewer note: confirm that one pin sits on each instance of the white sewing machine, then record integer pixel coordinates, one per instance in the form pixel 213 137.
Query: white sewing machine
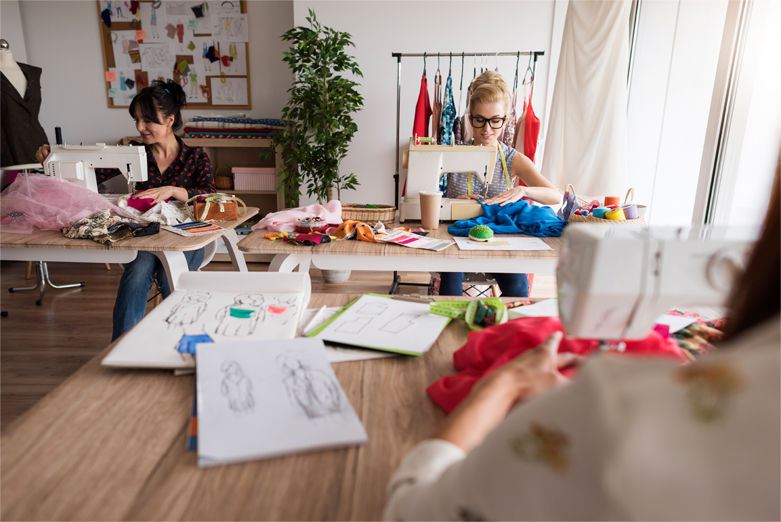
pixel 427 163
pixel 614 281
pixel 77 163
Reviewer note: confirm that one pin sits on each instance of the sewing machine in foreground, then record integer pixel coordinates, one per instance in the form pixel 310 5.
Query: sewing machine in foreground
pixel 77 163
pixel 614 281
pixel 427 163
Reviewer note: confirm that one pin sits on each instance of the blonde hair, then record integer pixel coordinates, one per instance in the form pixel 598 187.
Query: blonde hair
pixel 489 87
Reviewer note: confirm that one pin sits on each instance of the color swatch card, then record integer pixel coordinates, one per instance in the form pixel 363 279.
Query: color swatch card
pixel 408 239
pixel 382 323
pixel 193 228
pixel 259 400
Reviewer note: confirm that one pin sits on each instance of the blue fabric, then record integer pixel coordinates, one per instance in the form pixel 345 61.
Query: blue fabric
pixel 520 217
pixel 130 306
pixel 511 285
pixel 448 113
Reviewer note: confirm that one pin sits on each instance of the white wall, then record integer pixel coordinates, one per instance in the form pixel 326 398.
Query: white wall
pixel 675 65
pixel 382 27
pixel 62 38
pixel 11 29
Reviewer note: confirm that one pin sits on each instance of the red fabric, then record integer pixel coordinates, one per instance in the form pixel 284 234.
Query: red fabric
pixel 140 204
pixel 487 350
pixel 422 111
pixel 531 132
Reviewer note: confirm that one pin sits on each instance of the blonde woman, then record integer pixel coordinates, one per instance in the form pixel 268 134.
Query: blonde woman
pixel 515 176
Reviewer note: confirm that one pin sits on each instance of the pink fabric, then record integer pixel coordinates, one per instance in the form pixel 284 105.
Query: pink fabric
pixel 285 220
pixel 140 204
pixel 34 200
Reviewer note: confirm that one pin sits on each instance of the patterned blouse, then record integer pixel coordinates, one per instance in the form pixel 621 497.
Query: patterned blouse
pixel 458 184
pixel 191 170
pixel 624 440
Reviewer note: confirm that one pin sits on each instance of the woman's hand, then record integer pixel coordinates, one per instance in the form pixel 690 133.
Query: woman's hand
pixel 165 193
pixel 511 196
pixel 42 153
pixel 529 374
pixel 469 196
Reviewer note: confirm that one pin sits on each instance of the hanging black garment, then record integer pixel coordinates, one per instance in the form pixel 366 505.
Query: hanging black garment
pixel 22 133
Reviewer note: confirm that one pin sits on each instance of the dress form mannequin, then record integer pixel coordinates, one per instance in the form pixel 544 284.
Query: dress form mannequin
pixel 11 69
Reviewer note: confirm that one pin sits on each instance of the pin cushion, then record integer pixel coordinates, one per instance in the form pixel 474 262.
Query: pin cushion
pixel 481 233
pixel 311 225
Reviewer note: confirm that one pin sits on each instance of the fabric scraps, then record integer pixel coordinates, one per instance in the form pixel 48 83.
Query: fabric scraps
pixel 105 15
pixel 104 228
pixel 170 30
pixel 187 342
pixel 286 220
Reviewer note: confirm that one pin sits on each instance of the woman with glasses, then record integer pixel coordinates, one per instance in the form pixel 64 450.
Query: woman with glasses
pixel 515 176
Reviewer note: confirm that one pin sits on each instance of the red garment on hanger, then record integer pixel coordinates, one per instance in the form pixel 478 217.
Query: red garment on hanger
pixel 422 111
pixel 532 131
pixel 487 350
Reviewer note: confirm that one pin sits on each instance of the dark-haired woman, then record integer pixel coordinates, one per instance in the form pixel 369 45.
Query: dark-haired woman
pixel 174 171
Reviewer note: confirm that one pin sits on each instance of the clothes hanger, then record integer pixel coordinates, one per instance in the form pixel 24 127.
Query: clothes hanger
pixel 496 62
pixel 450 65
pixel 438 64
pixel 534 67
pixel 424 64
pixel 515 81
pixel 528 71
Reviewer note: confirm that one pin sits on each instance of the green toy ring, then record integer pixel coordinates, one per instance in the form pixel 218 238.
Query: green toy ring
pixel 481 233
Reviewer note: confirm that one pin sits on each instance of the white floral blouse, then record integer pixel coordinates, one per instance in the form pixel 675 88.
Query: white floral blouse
pixel 626 439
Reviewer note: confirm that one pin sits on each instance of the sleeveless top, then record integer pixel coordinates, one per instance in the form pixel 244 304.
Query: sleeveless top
pixel 458 182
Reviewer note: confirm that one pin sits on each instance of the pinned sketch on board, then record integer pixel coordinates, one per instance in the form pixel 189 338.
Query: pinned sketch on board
pixel 381 323
pixel 255 403
pixel 213 307
pixel 200 44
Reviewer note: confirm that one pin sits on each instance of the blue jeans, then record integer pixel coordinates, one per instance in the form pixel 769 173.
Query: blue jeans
pixel 511 285
pixel 134 286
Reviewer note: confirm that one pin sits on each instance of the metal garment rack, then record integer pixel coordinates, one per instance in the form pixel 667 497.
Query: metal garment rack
pixel 398 56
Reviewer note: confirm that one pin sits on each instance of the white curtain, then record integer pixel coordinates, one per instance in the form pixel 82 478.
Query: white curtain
pixel 586 140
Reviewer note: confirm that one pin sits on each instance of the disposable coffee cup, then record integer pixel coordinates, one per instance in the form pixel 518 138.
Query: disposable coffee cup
pixel 430 203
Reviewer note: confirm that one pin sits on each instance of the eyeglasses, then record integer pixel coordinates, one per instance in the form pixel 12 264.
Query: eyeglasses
pixel 478 122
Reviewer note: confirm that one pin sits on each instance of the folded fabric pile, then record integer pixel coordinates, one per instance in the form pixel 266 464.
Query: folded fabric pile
pixel 520 217
pixel 231 127
pixel 106 229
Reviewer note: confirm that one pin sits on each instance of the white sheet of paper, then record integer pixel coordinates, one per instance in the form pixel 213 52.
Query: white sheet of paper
pixel 233 91
pixel 546 308
pixel 383 323
pixel 202 305
pixel 337 354
pixel 257 401
pixel 503 243
pixel 675 322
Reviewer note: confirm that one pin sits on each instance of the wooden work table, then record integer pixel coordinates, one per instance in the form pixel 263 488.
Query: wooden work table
pixel 108 445
pixel 51 245
pixel 362 255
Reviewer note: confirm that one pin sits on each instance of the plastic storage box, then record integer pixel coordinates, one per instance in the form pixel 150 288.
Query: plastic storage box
pixel 254 178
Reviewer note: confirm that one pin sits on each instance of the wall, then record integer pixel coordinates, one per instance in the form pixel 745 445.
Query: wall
pixel 382 27
pixel 11 29
pixel 62 38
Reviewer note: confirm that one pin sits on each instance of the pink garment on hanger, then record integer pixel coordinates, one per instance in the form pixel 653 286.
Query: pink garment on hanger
pixel 420 127
pixel 437 110
pixel 47 203
pixel 508 134
pixel 520 129
pixel 285 220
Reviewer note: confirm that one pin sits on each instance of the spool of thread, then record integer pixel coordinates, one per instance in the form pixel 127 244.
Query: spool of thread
pixel 630 211
pixel 616 214
pixel 612 200
pixel 599 212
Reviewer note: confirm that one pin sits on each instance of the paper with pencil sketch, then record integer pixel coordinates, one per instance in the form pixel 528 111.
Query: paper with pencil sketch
pixel 382 323
pixel 502 243
pixel 312 319
pixel 263 400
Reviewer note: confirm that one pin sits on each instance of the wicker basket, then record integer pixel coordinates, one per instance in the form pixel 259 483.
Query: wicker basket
pixel 359 212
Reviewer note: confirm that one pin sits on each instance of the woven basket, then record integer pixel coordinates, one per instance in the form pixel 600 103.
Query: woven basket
pixel 358 212
pixel 575 218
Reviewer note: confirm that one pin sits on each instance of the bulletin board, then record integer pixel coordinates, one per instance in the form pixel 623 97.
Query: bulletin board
pixel 201 44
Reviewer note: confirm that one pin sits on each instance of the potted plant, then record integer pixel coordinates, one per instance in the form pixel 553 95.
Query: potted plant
pixel 319 113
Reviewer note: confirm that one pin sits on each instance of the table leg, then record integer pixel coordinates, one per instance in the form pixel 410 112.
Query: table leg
pixel 231 240
pixel 175 265
pixel 288 263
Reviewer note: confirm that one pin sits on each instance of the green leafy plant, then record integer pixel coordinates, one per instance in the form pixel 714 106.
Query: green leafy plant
pixel 319 113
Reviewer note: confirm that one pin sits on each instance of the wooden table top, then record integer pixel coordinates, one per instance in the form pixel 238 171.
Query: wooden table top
pixel 255 242
pixel 164 241
pixel 110 444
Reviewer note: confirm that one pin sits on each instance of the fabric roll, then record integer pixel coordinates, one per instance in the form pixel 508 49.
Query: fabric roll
pixel 586 140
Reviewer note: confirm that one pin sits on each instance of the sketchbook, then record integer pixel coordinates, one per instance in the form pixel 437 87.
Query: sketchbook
pixel 258 401
pixel 221 306
pixel 382 323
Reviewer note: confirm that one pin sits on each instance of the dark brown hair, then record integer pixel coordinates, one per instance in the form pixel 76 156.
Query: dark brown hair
pixel 167 96
pixel 755 298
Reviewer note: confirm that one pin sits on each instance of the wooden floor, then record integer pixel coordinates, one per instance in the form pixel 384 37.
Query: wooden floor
pixel 41 346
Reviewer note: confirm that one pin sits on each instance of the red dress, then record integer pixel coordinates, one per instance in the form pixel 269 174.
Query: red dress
pixel 532 130
pixel 422 111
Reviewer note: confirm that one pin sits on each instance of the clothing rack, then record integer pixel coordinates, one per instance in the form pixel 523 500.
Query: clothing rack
pixel 399 56
pixel 533 54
